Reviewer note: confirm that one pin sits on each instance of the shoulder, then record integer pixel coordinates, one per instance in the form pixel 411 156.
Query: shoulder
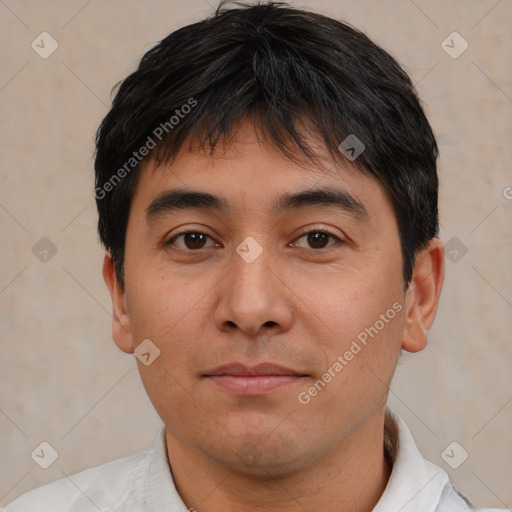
pixel 412 471
pixel 453 501
pixel 106 488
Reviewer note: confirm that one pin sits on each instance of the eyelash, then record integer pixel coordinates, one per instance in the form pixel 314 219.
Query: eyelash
pixel 195 231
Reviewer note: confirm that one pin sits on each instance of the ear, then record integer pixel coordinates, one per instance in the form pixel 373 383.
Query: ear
pixel 121 329
pixel 422 297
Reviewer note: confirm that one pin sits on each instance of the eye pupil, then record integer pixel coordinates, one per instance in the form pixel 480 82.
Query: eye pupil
pixel 318 240
pixel 194 240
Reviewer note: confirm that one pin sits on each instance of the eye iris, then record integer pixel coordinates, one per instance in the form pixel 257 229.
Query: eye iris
pixel 194 240
pixel 318 240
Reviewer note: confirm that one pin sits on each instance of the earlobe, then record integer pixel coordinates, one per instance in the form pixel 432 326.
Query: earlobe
pixel 121 328
pixel 422 297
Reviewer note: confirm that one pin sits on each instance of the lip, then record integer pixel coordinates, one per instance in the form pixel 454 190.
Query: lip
pixel 252 380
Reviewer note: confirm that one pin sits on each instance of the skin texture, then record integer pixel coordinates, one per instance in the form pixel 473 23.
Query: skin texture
pixel 298 305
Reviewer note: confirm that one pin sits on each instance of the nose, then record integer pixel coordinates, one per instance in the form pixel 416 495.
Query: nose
pixel 254 296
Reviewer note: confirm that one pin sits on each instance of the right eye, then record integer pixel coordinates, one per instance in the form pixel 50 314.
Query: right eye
pixel 190 240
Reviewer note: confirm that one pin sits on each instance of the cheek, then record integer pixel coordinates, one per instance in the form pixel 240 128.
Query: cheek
pixel 174 312
pixel 360 360
pixel 163 302
pixel 342 304
pixel 357 319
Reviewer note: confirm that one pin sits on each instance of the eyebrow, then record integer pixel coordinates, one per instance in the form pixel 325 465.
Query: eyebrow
pixel 185 199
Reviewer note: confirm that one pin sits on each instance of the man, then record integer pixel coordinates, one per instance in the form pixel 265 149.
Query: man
pixel 267 193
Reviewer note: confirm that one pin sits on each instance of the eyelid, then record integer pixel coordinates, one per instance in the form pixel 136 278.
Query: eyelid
pixel 306 231
pixel 171 240
pixel 320 229
pixel 337 240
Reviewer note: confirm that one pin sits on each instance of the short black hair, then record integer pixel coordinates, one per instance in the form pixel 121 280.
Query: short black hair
pixel 285 67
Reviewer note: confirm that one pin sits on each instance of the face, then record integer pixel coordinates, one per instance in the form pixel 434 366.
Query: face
pixel 278 312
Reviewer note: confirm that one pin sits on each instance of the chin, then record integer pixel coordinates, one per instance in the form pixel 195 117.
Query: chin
pixel 259 453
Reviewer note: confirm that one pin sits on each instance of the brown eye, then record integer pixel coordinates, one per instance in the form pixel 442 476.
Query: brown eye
pixel 194 240
pixel 190 240
pixel 317 239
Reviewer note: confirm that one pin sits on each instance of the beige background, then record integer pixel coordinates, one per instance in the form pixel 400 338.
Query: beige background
pixel 64 381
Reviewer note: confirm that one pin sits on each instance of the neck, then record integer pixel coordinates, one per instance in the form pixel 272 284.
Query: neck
pixel 352 478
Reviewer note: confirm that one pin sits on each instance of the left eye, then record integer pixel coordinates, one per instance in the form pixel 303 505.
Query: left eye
pixel 317 239
pixel 195 240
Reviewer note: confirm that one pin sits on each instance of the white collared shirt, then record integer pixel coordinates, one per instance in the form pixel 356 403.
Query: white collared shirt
pixel 143 483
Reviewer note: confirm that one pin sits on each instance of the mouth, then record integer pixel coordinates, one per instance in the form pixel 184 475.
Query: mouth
pixel 253 380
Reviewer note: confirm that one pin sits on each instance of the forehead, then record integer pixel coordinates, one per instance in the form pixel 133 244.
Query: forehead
pixel 249 173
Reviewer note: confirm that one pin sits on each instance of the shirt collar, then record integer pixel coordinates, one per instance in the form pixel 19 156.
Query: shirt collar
pixel 415 484
pixel 161 492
